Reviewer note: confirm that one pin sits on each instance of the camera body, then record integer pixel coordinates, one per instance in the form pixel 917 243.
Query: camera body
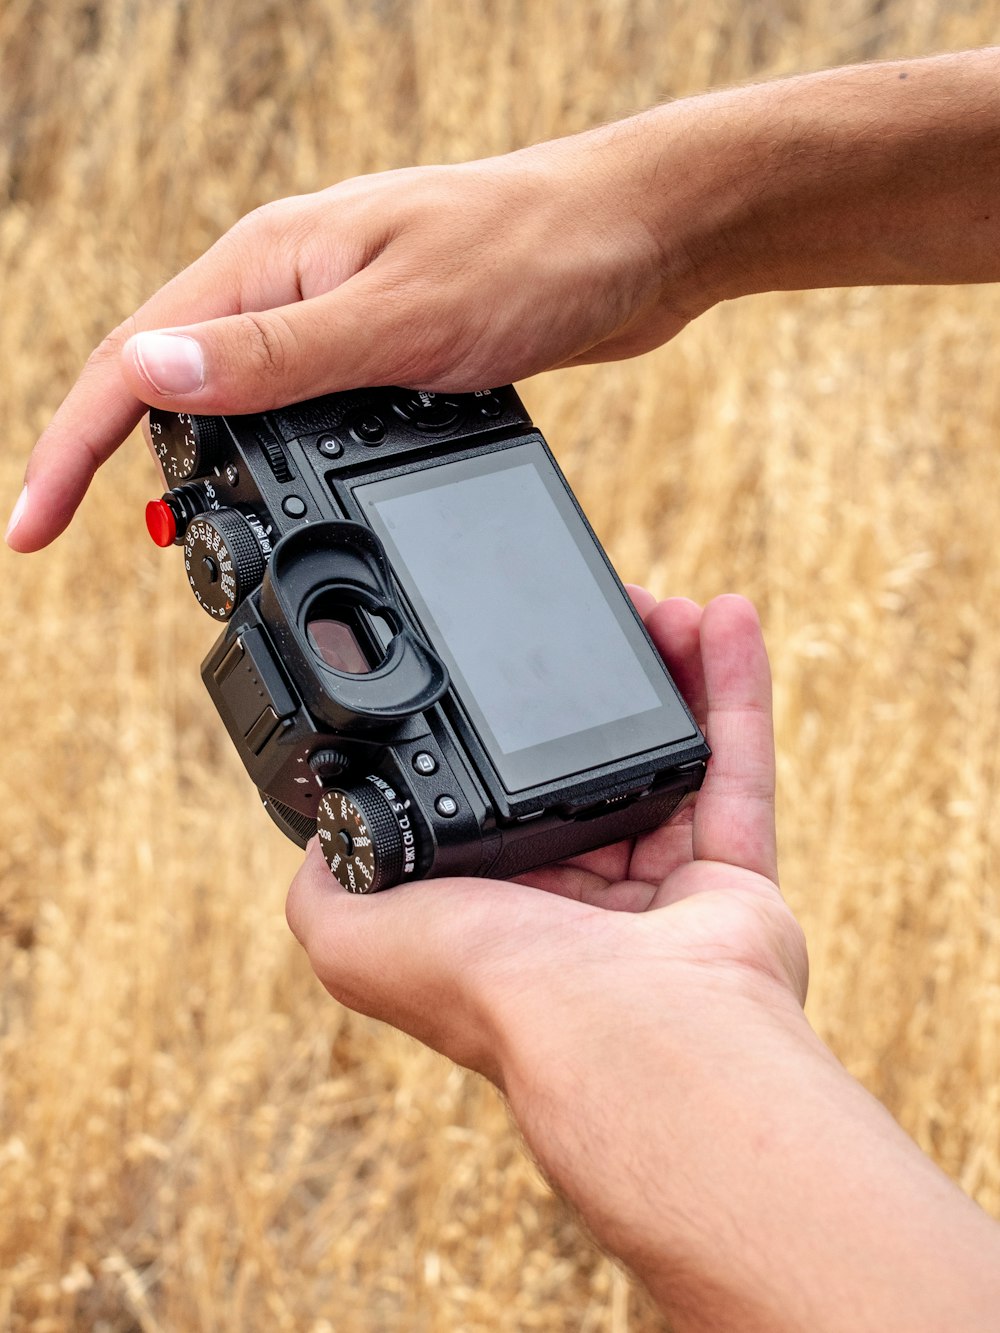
pixel 426 658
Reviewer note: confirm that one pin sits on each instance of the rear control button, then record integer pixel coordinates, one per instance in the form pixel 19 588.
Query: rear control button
pixel 368 428
pixel 446 806
pixel 425 763
pixel 490 405
pixel 294 506
pixel 330 447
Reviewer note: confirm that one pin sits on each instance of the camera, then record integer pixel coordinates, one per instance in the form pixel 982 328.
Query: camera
pixel 426 656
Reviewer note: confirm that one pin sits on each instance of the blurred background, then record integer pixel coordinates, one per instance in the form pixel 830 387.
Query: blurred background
pixel 192 1134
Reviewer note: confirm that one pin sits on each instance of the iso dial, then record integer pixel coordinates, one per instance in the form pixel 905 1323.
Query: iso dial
pixel 366 835
pixel 185 445
pixel 224 556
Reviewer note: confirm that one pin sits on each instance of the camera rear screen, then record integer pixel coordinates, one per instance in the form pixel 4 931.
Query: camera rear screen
pixel 544 650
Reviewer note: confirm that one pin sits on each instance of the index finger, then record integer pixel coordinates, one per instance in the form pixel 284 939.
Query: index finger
pixel 100 411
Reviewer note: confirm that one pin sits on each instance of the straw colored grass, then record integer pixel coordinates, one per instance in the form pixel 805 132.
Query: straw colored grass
pixel 192 1134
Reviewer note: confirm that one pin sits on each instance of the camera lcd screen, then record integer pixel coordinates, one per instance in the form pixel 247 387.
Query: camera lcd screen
pixel 543 648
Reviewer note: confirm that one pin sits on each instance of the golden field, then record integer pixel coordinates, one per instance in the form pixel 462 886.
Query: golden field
pixel 193 1136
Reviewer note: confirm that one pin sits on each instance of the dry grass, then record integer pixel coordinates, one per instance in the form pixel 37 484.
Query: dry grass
pixel 192 1135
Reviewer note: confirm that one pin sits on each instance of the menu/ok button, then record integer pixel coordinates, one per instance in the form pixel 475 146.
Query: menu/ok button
pixel 426 410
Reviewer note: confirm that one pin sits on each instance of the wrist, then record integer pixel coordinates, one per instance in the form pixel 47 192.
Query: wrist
pixel 686 169
pixel 624 1085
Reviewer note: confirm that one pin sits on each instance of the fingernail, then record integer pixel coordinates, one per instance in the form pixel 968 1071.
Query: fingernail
pixel 18 514
pixel 169 362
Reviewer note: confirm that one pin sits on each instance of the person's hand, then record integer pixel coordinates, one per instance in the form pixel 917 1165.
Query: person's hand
pixel 457 278
pixel 562 997
pixel 455 962
pixel 656 1056
pixel 598 246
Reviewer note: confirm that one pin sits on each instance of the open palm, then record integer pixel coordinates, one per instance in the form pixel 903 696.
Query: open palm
pixel 441 959
pixel 718 856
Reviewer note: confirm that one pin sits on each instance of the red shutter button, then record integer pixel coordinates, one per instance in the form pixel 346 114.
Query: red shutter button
pixel 161 523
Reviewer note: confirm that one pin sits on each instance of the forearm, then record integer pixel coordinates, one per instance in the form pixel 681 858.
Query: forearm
pixel 882 173
pixel 729 1159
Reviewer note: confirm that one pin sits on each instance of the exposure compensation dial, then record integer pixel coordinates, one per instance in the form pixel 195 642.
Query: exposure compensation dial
pixel 224 555
pixel 185 445
pixel 366 835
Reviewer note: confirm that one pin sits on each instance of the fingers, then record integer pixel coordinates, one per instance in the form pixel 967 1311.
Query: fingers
pixel 734 813
pixel 253 361
pixel 97 416
pixel 612 894
pixel 431 958
pixel 675 628
pixel 257 346
pixel 108 399
pixel 718 660
pixel 642 600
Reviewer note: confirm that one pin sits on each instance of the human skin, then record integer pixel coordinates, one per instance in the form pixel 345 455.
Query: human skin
pixel 643 1016
pixel 449 277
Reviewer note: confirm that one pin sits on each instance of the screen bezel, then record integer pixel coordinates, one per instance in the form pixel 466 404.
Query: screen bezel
pixel 568 760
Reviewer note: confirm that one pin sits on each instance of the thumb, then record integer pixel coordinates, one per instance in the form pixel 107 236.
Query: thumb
pixel 417 956
pixel 360 333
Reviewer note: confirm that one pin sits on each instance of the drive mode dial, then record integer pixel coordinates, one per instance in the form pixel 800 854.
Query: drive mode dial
pixel 224 555
pixel 184 444
pixel 366 834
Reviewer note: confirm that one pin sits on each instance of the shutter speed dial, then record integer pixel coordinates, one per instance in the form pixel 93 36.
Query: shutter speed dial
pixel 366 835
pixel 185 445
pixel 224 555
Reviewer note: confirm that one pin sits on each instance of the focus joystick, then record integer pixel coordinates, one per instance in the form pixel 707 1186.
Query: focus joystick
pixel 366 835
pixel 224 555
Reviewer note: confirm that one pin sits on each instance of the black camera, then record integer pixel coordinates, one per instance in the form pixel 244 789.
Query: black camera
pixel 427 657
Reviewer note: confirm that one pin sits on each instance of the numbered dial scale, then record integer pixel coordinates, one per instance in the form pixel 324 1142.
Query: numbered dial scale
pixel 224 557
pixel 184 444
pixel 366 835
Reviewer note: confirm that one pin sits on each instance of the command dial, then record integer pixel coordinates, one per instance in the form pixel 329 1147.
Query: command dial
pixel 224 556
pixel 366 835
pixel 185 445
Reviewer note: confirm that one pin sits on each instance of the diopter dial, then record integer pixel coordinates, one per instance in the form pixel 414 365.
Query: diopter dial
pixel 185 445
pixel 366 835
pixel 224 555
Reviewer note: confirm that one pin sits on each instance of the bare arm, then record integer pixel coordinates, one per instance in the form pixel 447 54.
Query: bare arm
pixel 598 246
pixel 880 173
pixel 711 1141
pixel 643 1016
